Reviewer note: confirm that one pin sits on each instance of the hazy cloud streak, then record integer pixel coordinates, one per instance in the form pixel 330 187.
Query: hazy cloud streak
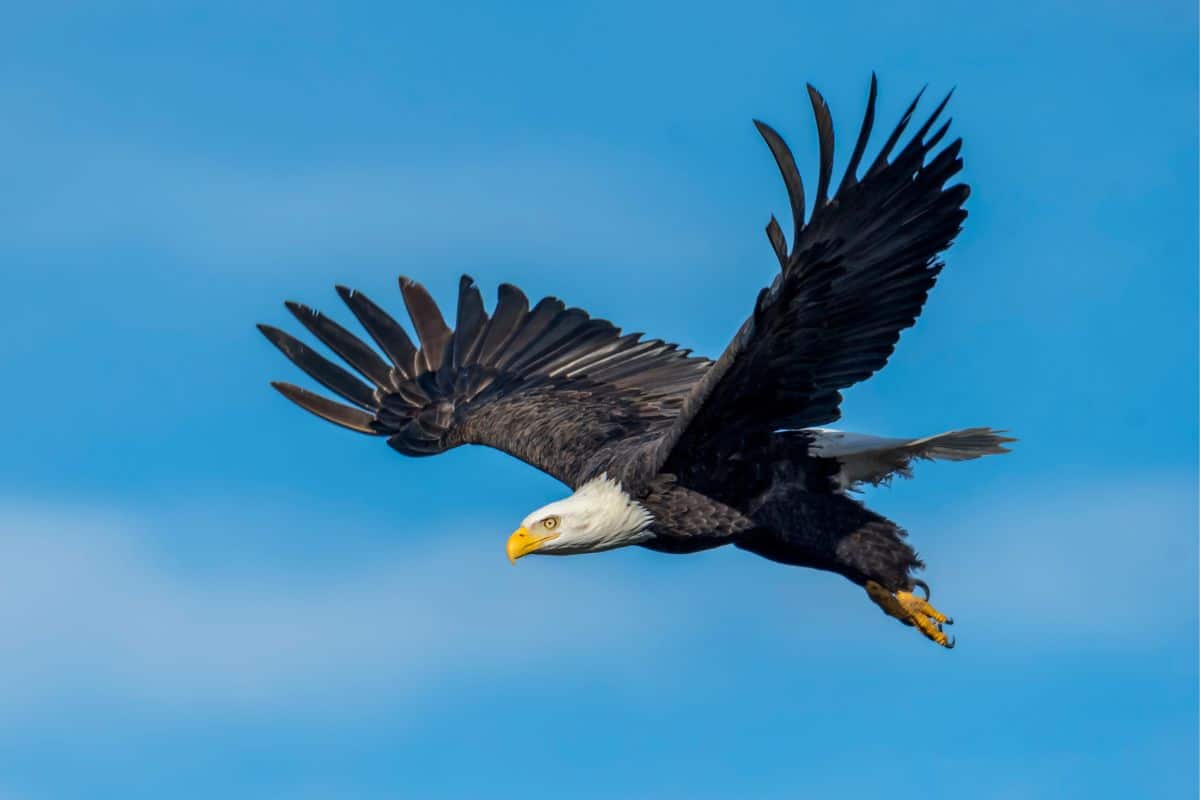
pixel 87 610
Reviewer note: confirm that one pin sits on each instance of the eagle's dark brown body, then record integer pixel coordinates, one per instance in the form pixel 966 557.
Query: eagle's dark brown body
pixel 784 508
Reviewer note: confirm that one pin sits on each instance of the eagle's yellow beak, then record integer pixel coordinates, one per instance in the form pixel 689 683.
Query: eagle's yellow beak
pixel 521 543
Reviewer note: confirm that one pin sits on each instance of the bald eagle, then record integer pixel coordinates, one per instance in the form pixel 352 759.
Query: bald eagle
pixel 675 452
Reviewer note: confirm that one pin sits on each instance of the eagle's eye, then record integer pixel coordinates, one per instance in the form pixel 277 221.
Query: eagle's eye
pixel 550 523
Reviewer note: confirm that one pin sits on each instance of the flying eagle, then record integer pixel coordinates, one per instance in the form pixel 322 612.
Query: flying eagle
pixel 674 452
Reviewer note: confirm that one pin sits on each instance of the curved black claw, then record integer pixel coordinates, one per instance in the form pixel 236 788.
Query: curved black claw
pixel 950 640
pixel 924 587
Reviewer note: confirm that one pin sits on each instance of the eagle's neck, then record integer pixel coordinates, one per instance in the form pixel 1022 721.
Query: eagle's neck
pixel 613 518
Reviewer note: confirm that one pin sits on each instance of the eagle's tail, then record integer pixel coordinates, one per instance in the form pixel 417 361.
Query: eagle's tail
pixel 962 445
pixel 878 459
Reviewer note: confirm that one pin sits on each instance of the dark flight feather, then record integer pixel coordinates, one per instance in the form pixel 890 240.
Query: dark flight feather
pixel 535 324
pixel 778 243
pixel 326 409
pixel 881 160
pixel 432 331
pixel 469 323
pixel 319 368
pixel 342 342
pixel 864 134
pixel 825 139
pixel 511 309
pixel 384 330
pixel 791 176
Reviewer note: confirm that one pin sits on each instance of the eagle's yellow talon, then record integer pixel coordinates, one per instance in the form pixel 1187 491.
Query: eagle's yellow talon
pixel 920 605
pixel 913 610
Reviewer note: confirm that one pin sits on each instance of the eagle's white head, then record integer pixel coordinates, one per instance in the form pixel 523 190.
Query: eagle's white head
pixel 600 515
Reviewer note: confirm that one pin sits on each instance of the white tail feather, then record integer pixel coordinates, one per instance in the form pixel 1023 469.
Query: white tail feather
pixel 878 459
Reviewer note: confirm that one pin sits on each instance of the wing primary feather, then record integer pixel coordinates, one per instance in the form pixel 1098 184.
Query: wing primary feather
pixel 591 360
pixel 881 160
pixel 600 363
pixel 864 134
pixel 558 334
pixel 946 163
pixel 938 135
pixel 534 324
pixel 326 409
pixel 825 139
pixel 469 323
pixel 778 242
pixel 320 369
pixel 918 147
pixel 577 346
pixel 427 319
pixel 345 344
pixel 385 330
pixel 937 112
pixel 791 176
pixel 511 308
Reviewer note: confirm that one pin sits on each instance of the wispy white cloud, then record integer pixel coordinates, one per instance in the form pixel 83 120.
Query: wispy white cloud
pixel 1110 564
pixel 89 610
pixel 562 204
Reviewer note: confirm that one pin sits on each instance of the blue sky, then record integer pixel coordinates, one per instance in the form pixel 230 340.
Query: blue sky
pixel 205 592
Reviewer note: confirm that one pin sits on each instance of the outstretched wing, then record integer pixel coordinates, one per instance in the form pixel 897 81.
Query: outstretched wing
pixel 548 385
pixel 858 273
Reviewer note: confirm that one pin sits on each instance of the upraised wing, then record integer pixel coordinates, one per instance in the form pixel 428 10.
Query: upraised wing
pixel 858 274
pixel 549 385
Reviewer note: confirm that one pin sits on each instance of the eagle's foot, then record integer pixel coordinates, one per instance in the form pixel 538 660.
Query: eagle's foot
pixel 913 610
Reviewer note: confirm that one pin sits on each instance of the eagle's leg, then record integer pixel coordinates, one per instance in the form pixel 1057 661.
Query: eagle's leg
pixel 912 610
